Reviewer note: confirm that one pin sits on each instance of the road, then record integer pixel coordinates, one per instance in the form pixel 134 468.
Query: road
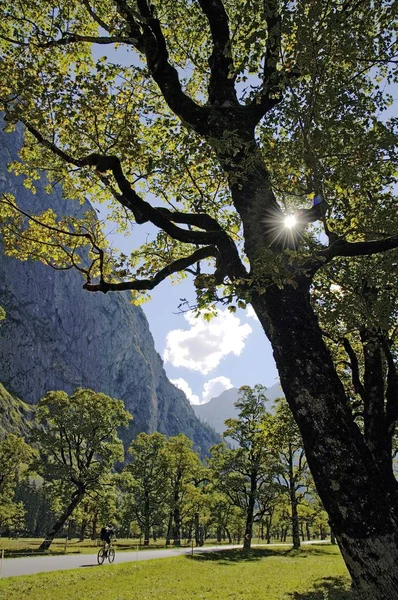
pixel 41 564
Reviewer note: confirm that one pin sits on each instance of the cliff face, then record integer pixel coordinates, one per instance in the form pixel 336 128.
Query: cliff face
pixel 58 336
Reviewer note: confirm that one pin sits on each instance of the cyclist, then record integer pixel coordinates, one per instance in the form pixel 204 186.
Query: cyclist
pixel 106 536
pixel 107 551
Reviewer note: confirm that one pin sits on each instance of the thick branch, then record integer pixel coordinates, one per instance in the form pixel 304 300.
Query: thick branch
pixel 356 380
pixel 73 38
pixel 148 284
pixel 222 79
pixel 343 248
pixel 153 44
pixel 160 217
pixel 391 389
pixel 128 15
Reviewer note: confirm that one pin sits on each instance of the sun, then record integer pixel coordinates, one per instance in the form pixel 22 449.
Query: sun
pixel 290 221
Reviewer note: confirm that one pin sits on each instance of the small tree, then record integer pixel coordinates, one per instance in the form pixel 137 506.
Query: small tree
pixel 246 474
pixel 78 443
pixel 284 439
pixel 183 467
pixel 148 490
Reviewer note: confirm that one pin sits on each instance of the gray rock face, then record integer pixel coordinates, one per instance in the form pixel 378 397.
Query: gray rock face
pixel 58 336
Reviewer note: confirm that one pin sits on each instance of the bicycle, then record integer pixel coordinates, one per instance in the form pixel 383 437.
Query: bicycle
pixel 108 551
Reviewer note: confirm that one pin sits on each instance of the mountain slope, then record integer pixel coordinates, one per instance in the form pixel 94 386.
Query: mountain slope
pixel 14 414
pixel 58 336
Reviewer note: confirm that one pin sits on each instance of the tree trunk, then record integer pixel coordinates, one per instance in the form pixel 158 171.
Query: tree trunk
pixel 94 527
pixel 197 529
pixel 83 528
pixel 169 529
pixel 147 523
pixel 247 540
pixel 293 502
pixel 362 506
pixel 268 524
pixel 219 532
pixel 76 499
pixel 177 526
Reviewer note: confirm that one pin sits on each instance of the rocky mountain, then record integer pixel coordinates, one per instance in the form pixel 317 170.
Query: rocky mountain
pixel 14 414
pixel 217 410
pixel 58 336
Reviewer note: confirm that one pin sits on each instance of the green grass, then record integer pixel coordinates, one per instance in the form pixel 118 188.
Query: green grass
pixel 316 573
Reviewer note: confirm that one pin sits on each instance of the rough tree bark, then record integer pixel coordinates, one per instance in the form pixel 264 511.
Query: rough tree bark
pixel 361 505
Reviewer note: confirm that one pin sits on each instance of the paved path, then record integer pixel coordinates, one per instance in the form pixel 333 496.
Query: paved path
pixel 40 564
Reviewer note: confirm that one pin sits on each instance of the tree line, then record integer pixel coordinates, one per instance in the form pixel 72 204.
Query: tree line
pixel 71 478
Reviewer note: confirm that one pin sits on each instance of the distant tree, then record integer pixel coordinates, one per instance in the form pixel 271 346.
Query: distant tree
pixel 148 488
pixel 246 474
pixel 15 458
pixel 183 467
pixel 284 440
pixel 78 443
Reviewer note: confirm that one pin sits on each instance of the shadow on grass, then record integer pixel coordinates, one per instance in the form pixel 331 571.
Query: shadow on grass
pixel 236 555
pixel 255 554
pixel 328 588
pixel 36 552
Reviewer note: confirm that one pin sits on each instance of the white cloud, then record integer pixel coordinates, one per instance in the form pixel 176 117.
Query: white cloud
pixel 250 314
pixel 184 386
pixel 204 345
pixel 211 389
pixel 215 387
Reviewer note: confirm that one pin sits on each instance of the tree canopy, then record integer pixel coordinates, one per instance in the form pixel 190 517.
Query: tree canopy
pixel 78 443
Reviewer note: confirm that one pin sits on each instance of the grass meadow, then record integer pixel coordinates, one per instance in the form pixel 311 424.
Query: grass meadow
pixel 313 573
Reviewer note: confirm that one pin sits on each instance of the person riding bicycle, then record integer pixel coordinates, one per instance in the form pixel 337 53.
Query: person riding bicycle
pixel 106 535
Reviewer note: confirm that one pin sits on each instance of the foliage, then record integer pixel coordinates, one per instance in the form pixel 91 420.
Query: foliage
pixel 77 435
pixel 184 471
pixel 322 134
pixel 148 489
pixel 15 456
pixel 78 445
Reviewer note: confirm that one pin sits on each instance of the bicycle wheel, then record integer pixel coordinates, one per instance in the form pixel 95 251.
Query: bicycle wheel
pixel 101 556
pixel 111 554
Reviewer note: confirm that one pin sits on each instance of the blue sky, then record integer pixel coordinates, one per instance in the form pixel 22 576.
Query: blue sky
pixel 202 358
